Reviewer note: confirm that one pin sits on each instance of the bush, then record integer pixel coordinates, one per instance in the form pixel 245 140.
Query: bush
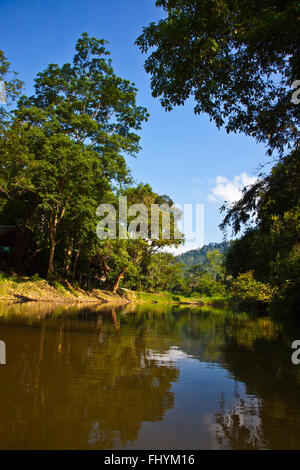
pixel 246 289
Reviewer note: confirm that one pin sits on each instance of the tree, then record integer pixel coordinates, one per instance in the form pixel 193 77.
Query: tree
pixel 208 277
pixel 132 258
pixel 165 273
pixel 270 248
pixel 237 59
pixel 11 88
pixel 240 62
pixel 71 139
pixel 215 264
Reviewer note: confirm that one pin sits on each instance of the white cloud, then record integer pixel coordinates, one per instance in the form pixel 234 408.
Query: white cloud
pixel 231 191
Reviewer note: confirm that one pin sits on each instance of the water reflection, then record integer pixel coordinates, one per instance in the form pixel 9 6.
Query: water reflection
pixel 240 425
pixel 142 377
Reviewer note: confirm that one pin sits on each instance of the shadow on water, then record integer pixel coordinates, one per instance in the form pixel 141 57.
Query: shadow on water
pixel 97 377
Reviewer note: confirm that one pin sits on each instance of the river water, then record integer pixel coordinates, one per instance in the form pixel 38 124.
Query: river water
pixel 134 377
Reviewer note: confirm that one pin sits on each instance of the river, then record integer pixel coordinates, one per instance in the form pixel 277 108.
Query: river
pixel 146 377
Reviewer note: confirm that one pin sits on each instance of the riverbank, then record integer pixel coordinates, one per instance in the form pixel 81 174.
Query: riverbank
pixel 20 289
pixel 169 297
pixel 16 288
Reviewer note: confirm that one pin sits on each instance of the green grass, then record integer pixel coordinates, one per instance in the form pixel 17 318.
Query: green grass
pixel 169 297
pixel 34 288
pixel 59 287
pixel 153 297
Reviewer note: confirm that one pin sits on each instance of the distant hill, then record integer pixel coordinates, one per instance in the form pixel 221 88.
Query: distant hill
pixel 193 257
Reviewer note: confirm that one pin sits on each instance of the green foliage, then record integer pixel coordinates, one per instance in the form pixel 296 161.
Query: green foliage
pixel 62 153
pixel 59 287
pixel 215 264
pixel 271 249
pixel 13 88
pixel 165 273
pixel 236 59
pixel 195 257
pixel 136 261
pixel 208 278
pixel 248 290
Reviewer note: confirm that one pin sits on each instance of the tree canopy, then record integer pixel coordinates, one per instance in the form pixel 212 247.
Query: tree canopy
pixel 236 59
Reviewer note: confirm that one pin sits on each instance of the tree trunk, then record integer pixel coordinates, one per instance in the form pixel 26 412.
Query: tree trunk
pixel 76 260
pixel 117 282
pixel 51 258
pixel 52 248
pixel 103 265
pixel 68 259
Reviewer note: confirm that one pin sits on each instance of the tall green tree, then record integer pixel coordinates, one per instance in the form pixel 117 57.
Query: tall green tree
pixel 215 264
pixel 71 137
pixel 132 258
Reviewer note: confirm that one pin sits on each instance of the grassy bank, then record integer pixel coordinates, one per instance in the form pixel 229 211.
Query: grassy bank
pixel 37 289
pixel 169 297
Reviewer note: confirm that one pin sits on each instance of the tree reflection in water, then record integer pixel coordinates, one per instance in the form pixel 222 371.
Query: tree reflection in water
pixel 239 424
pixel 79 384
pixel 91 376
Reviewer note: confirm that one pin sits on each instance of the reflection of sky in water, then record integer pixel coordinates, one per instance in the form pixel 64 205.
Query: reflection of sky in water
pixel 199 393
pixel 173 355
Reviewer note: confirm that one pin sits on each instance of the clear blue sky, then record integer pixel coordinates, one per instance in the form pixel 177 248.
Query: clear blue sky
pixel 182 154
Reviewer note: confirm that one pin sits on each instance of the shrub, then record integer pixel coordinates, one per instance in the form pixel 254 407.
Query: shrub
pixel 247 289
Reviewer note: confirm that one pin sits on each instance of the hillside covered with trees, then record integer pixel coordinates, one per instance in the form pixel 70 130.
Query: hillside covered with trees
pixel 199 256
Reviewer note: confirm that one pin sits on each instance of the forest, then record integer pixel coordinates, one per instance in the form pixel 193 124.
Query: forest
pixel 64 150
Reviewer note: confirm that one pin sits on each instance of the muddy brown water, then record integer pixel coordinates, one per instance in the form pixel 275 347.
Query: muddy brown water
pixel 146 377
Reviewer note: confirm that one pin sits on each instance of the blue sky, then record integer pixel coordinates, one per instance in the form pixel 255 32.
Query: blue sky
pixel 183 155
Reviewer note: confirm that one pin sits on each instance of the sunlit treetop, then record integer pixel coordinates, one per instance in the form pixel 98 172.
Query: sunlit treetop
pixel 236 58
